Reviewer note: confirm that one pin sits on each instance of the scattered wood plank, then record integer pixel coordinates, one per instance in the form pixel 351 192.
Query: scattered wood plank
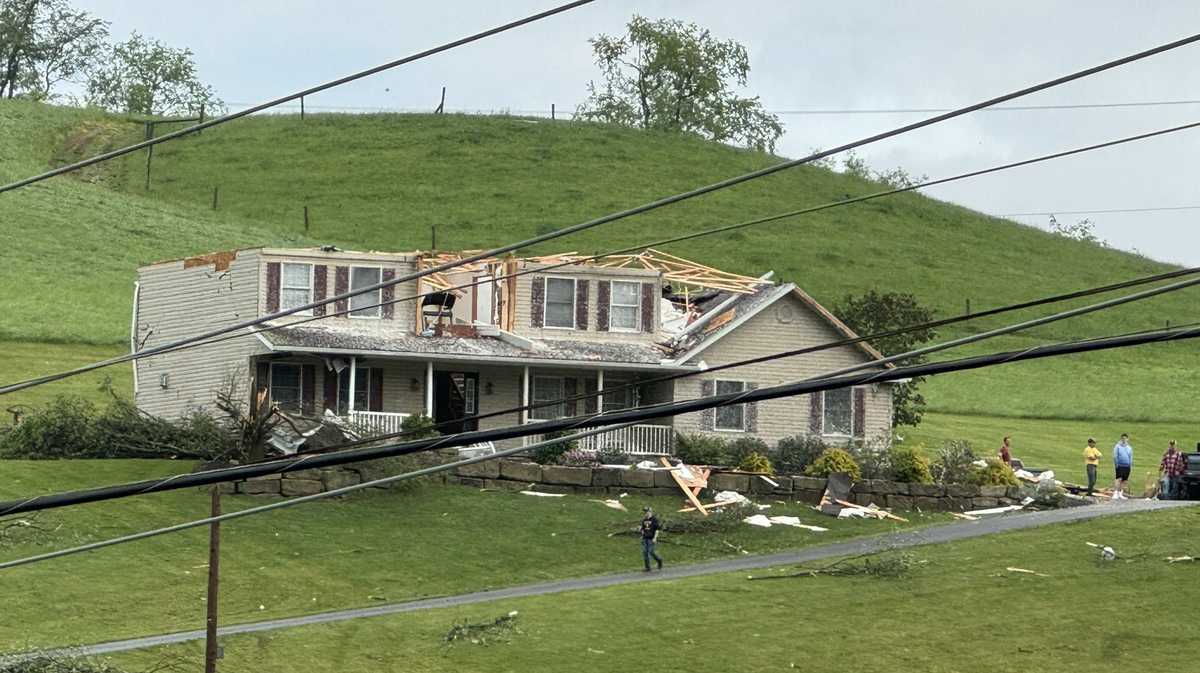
pixel 1025 571
pixel 712 505
pixel 686 488
pixel 963 516
pixel 883 512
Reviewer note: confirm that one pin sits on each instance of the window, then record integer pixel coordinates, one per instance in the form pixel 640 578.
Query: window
pixel 362 387
pixel 547 389
pixel 365 305
pixel 838 411
pixel 731 418
pixel 286 392
pixel 625 307
pixel 470 406
pixel 620 397
pixel 560 303
pixel 295 287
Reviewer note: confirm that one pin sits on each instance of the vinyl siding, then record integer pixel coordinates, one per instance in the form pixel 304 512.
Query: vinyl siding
pixel 590 275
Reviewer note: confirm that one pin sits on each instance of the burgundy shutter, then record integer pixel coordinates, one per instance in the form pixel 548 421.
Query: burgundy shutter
pixel 581 304
pixel 262 382
pixel 708 417
pixel 570 389
pixel 320 287
pixel 308 389
pixel 603 301
pixel 272 287
pixel 860 412
pixel 751 411
pixel 375 392
pixel 537 301
pixel 647 307
pixel 388 295
pixel 341 285
pixel 331 389
pixel 816 412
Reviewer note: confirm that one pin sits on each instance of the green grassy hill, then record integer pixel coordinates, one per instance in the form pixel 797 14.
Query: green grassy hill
pixel 381 181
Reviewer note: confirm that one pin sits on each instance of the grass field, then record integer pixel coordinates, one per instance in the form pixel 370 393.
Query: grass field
pixel 378 546
pixel 958 611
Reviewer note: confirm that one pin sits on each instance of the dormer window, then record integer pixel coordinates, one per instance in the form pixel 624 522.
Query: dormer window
pixel 365 305
pixel 295 287
pixel 625 307
pixel 560 303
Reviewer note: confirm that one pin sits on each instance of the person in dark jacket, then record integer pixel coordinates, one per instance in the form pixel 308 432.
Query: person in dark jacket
pixel 650 528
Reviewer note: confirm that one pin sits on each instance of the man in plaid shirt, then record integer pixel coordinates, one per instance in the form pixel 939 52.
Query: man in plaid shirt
pixel 1170 469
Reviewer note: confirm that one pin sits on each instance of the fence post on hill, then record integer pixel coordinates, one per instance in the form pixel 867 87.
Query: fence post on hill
pixel 201 118
pixel 441 108
pixel 968 307
pixel 211 652
pixel 215 192
pixel 552 112
pixel 302 108
pixel 306 219
pixel 149 158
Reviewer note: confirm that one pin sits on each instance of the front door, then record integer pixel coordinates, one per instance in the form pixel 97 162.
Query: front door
pixel 455 397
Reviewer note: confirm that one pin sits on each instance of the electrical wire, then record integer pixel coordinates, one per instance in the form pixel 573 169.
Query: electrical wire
pixel 1105 211
pixel 612 217
pixel 313 460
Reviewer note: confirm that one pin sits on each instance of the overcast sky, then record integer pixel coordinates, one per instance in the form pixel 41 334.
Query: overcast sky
pixel 804 56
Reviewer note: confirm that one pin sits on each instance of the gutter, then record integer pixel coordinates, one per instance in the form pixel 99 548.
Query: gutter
pixel 133 334
pixel 488 359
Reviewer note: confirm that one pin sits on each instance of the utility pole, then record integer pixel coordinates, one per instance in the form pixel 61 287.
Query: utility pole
pixel 214 580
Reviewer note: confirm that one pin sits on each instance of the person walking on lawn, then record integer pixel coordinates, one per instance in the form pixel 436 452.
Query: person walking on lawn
pixel 1123 461
pixel 1170 469
pixel 650 528
pixel 1091 463
pixel 1006 452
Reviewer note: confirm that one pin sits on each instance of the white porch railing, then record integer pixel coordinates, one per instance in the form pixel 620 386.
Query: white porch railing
pixel 635 440
pixel 377 422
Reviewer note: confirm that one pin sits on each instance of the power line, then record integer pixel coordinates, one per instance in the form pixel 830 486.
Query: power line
pixel 211 336
pixel 998 108
pixel 307 92
pixel 1099 212
pixel 312 460
pixel 801 388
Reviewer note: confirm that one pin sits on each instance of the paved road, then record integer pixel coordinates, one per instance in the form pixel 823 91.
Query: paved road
pixel 959 530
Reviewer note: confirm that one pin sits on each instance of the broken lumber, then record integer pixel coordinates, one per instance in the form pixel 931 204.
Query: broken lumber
pixel 711 505
pixel 882 512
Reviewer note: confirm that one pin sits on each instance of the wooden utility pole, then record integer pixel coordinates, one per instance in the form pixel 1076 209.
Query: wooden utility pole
pixel 214 581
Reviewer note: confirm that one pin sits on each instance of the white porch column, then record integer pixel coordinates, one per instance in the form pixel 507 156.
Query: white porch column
pixel 353 381
pixel 525 394
pixel 600 390
pixel 429 389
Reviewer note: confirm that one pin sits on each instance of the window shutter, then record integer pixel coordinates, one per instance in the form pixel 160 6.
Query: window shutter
pixel 331 389
pixel 816 413
pixel 590 404
pixel 272 287
pixel 262 382
pixel 570 389
pixel 859 400
pixel 375 392
pixel 388 294
pixel 308 392
pixel 751 411
pixel 581 304
pixel 708 417
pixel 603 300
pixel 537 301
pixel 341 285
pixel 647 307
pixel 320 287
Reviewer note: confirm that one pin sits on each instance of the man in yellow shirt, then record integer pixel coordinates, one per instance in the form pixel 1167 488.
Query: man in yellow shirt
pixel 1091 460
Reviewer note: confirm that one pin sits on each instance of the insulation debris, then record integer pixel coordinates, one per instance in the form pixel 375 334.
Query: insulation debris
pixel 1025 571
pixel 794 522
pixel 759 520
pixel 613 504
pixel 543 495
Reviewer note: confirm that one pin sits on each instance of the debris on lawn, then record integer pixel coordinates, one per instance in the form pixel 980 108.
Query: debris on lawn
pixel 500 629
pixel 963 516
pixel 758 520
pixel 1106 553
pixel 1025 571
pixel 1179 559
pixel 769 480
pixel 872 511
pixel 614 504
pixel 976 513
pixel 881 564
pixel 722 499
pixel 690 480
pixel 794 522
pixel 543 495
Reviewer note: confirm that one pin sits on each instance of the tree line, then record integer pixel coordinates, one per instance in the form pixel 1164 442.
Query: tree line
pixel 52 52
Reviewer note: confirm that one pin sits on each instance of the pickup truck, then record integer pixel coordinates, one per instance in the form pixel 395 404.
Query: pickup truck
pixel 1189 489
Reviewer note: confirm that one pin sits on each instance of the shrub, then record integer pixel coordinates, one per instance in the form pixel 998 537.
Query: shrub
pixel 995 474
pixel 756 462
pixel 419 426
pixel 793 454
pixel 50 662
pixel 873 462
pixel 833 460
pixel 579 458
pixel 954 462
pixel 63 429
pixel 611 455
pixel 700 449
pixel 909 465
pixel 742 447
pixel 551 454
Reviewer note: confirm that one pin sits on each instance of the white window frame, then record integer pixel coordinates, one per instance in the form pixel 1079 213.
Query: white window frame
pixel 825 410
pixel 378 294
pixel 299 382
pixel 470 396
pixel 560 412
pixel 283 286
pixel 546 302
pixel 740 407
pixel 636 306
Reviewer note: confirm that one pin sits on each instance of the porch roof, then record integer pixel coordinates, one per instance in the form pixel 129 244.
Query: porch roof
pixel 334 340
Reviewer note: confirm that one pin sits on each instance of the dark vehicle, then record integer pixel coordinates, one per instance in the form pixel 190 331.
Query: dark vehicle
pixel 1189 488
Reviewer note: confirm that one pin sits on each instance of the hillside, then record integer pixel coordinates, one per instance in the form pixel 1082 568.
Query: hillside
pixel 381 181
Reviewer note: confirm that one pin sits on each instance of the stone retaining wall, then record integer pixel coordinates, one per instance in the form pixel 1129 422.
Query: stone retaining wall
pixel 518 475
pixel 320 480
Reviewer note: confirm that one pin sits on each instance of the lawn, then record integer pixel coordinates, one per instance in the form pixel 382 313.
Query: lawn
pixel 368 548
pixel 957 611
pixel 24 360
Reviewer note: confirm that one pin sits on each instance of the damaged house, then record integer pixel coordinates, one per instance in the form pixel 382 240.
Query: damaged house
pixel 589 327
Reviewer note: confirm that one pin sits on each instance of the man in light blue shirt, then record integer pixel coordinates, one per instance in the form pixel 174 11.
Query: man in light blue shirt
pixel 1123 461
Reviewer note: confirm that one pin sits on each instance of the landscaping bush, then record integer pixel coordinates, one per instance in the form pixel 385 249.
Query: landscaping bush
pixel 419 426
pixel 834 460
pixel 742 447
pixel 909 465
pixel 700 449
pixel 48 662
pixel 579 458
pixel 610 455
pixel 63 429
pixel 793 454
pixel 551 454
pixel 874 462
pixel 756 462
pixel 954 462
pixel 995 474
